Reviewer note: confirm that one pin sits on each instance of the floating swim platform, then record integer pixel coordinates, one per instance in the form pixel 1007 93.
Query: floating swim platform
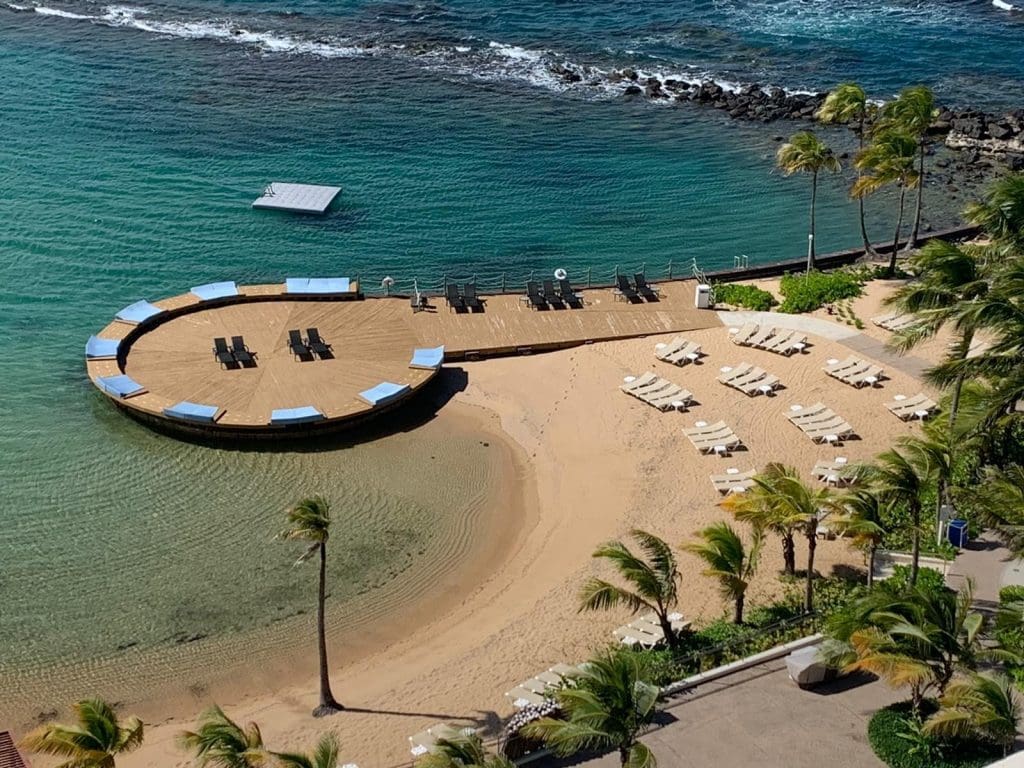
pixel 296 198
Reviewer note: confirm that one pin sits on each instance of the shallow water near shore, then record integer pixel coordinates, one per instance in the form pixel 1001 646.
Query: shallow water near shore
pixel 135 139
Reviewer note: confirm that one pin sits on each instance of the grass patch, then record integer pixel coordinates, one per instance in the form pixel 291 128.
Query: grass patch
pixel 808 291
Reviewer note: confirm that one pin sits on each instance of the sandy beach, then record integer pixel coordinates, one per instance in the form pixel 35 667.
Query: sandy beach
pixel 589 463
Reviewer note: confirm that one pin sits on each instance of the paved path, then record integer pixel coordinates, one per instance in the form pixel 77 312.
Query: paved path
pixel 989 564
pixel 760 718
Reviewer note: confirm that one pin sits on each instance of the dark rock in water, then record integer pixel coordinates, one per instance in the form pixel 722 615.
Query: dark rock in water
pixel 614 77
pixel 778 138
pixel 632 90
pixel 844 155
pixel 629 74
pixel 653 91
pixel 999 131
pixel 1015 162
pixel 126 646
pixel 942 162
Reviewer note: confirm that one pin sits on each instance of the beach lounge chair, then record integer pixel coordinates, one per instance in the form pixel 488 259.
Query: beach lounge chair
pixel 645 289
pixel 639 382
pixel 568 295
pixel 550 294
pixel 524 697
pixel 734 481
pixel 906 408
pixel 534 296
pixel 736 373
pixel 689 353
pixel 761 339
pixel 762 386
pixel 835 472
pixel 882 321
pixel 722 440
pixel 452 297
pixel 842 365
pixel 705 429
pixel 297 345
pixel 837 428
pixel 672 397
pixel 662 351
pixel 786 343
pixel 222 353
pixel 624 289
pixel 744 334
pixel 316 342
pixel 241 352
pixel 867 377
pixel 470 298
pixel 807 414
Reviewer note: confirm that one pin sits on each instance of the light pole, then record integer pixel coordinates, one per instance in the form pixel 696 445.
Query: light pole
pixel 810 251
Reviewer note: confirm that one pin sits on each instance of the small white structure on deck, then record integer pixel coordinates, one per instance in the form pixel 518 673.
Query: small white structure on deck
pixel 297 198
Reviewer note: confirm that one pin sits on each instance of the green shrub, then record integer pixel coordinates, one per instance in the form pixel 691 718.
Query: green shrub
pixel 896 739
pixel 807 291
pixel 1013 593
pixel 746 296
pixel 928 580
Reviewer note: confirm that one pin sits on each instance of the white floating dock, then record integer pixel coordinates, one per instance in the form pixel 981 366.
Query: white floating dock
pixel 297 198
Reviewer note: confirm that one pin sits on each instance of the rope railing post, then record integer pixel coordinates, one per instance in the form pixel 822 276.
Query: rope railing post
pixel 670 269
pixel 503 282
pixel 588 276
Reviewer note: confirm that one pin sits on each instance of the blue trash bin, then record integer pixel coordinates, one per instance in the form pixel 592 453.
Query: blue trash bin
pixel 956 532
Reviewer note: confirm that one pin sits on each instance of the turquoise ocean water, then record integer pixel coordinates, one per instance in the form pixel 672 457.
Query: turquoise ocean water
pixel 134 137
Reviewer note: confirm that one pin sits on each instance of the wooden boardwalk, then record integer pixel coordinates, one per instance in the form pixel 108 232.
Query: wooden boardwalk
pixel 373 341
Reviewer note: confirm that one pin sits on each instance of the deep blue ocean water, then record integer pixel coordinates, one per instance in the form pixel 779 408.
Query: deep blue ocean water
pixel 134 137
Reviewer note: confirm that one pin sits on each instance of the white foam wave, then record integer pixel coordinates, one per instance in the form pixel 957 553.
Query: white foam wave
pixel 42 10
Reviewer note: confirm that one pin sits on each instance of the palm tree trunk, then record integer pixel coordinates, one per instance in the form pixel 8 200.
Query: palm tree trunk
pixel 912 241
pixel 788 554
pixel 896 238
pixel 328 705
pixel 738 615
pixel 872 550
pixel 812 544
pixel 624 756
pixel 670 634
pixel 915 553
pixel 868 250
pixel 966 339
pixel 814 201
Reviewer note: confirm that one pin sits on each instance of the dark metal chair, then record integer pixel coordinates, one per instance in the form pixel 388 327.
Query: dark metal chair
pixel 222 353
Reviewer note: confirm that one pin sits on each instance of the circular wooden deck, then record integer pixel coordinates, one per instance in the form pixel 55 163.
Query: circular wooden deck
pixel 171 357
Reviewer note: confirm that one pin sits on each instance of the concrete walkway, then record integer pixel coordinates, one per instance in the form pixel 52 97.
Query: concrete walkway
pixel 760 718
pixel 849 337
pixel 989 565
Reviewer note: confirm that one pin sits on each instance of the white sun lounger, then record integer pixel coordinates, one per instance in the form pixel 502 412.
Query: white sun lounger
pixel 738 372
pixel 912 406
pixel 871 376
pixel 843 365
pixel 787 345
pixel 761 337
pixel 765 385
pixel 810 412
pixel 704 430
pixel 735 482
pixel 745 333
pixel 671 348
pixel 835 472
pixel 725 439
pixel 689 353
pixel 640 381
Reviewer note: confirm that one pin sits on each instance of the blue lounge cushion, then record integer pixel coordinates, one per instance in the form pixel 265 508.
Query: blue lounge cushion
pixel 317 285
pixel 120 386
pixel 215 290
pixel 97 348
pixel 193 411
pixel 429 358
pixel 384 393
pixel 138 312
pixel 300 415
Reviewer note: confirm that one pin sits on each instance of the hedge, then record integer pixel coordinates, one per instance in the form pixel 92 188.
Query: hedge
pixel 807 291
pixel 1012 593
pixel 887 735
pixel 745 296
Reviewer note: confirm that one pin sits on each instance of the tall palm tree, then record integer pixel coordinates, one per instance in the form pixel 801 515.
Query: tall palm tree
pixel 654 581
pixel 220 742
pixel 863 519
pixel 756 506
pixel 917 639
pixel 888 160
pixel 847 103
pixel 727 560
pixel 310 520
pixel 1000 506
pixel 610 707
pixel 465 751
pixel 901 476
pixel 806 153
pixel 324 755
pixel 951 281
pixel 983 706
pixel 94 741
pixel 1001 212
pixel 912 113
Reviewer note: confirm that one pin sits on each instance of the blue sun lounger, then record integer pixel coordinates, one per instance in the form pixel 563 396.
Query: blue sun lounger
pixel 319 286
pixel 100 349
pixel 302 415
pixel 429 358
pixel 138 312
pixel 187 411
pixel 212 291
pixel 384 393
pixel 120 386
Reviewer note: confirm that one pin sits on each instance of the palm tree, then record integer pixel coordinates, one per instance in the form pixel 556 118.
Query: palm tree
pixel 806 153
pixel 888 159
pixel 982 706
pixel 756 507
pixel 863 519
pixel 846 103
pixel 912 114
pixel 465 751
pixel 1001 213
pixel 917 639
pixel 220 742
pixel 727 560
pixel 324 755
pixel 610 707
pixel 654 581
pixel 901 476
pixel 95 741
pixel 310 520
pixel 1000 504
